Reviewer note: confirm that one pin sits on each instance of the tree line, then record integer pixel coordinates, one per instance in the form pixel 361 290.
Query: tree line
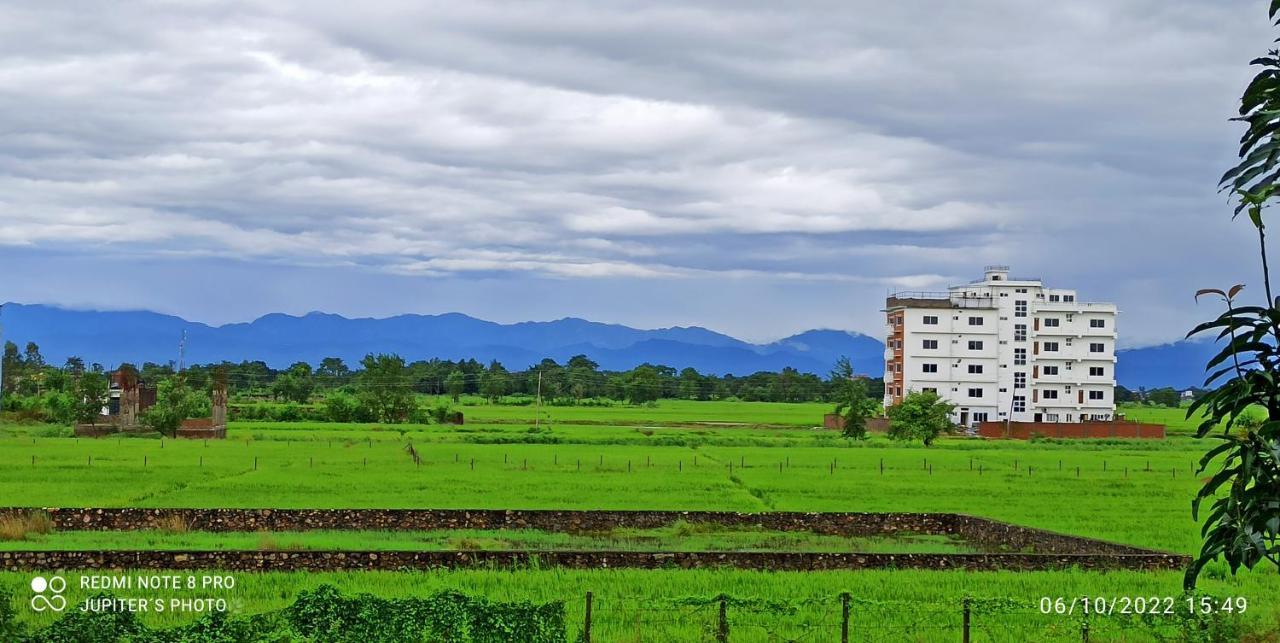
pixel 385 387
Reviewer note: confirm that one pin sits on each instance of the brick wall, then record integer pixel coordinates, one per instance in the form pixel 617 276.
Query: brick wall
pixel 1097 430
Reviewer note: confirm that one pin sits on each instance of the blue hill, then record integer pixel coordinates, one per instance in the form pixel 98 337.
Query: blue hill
pixel 111 337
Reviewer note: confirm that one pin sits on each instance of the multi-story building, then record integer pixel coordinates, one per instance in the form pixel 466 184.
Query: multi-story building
pixel 1003 348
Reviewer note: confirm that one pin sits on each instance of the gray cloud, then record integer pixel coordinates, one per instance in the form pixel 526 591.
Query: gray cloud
pixel 628 147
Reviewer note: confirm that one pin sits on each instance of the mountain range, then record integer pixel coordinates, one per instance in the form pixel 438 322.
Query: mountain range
pixel 111 337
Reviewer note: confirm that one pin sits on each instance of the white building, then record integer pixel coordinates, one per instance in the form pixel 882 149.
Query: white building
pixel 1003 348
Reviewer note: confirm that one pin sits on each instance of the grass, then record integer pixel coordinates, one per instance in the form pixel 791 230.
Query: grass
pixel 680 537
pixel 1026 483
pixel 654 605
pixel 24 526
pixel 672 456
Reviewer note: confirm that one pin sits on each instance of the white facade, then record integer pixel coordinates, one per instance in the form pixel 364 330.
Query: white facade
pixel 1003 348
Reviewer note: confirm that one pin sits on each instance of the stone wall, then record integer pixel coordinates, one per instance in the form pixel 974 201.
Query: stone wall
pixel 983 533
pixel 262 561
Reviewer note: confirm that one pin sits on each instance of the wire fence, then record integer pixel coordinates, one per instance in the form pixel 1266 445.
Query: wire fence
pixel 844 618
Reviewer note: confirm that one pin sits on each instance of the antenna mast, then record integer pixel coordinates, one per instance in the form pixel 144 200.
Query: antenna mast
pixel 182 350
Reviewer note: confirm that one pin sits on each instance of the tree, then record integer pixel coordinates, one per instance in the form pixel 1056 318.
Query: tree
pixel 1166 396
pixel 493 382
pixel 295 385
pixel 1124 395
pixel 1243 522
pixel 333 370
pixel 384 389
pixel 455 384
pixel 853 402
pixel 90 396
pixel 921 415
pixel 341 407
pixel 175 402
pixel 642 384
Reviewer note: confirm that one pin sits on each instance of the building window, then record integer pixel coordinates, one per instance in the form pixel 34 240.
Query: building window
pixel 1068 298
pixel 1019 404
pixel 1097 371
pixel 930 343
pixel 1096 395
pixel 1051 347
pixel 1023 290
pixel 1020 308
pixel 1019 332
pixel 929 389
pixel 1050 394
pixel 929 368
pixel 1053 298
pixel 975 368
pixel 975 392
pixel 1097 323
pixel 975 321
pixel 930 320
pixel 1097 347
pixel 1051 370
pixel 975 345
pixel 1050 417
pixel 1051 322
pixel 1019 357
pixel 980 417
pixel 1020 380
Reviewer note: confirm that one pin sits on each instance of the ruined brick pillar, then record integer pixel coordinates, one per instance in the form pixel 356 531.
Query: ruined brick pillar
pixel 219 399
pixel 129 401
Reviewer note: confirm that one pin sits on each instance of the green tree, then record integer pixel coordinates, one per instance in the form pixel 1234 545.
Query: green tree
pixel 853 404
pixel 493 382
pixel 643 384
pixel 332 371
pixel 1167 397
pixel 175 402
pixel 295 385
pixel 90 396
pixel 455 384
pixel 921 415
pixel 1243 521
pixel 384 388
pixel 341 407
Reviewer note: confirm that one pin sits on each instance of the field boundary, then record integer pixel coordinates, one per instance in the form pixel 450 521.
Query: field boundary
pixel 316 560
pixel 1003 545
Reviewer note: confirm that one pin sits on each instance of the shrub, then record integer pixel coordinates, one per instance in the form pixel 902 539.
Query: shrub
pixel 341 407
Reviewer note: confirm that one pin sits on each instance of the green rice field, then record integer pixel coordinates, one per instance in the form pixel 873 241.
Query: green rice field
pixel 752 457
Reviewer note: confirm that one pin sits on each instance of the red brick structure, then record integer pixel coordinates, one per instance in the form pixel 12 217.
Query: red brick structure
pixel 835 422
pixel 1079 430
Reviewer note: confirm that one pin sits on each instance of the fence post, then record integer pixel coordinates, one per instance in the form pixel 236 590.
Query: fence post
pixel 844 617
pixel 722 631
pixel 965 622
pixel 586 622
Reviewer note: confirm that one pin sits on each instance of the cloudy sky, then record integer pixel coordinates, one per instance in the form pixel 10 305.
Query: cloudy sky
pixel 759 168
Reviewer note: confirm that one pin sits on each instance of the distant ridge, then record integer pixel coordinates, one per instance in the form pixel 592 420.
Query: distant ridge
pixel 111 337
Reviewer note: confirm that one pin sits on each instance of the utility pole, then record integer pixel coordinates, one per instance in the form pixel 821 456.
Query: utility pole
pixel 1 360
pixel 537 417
